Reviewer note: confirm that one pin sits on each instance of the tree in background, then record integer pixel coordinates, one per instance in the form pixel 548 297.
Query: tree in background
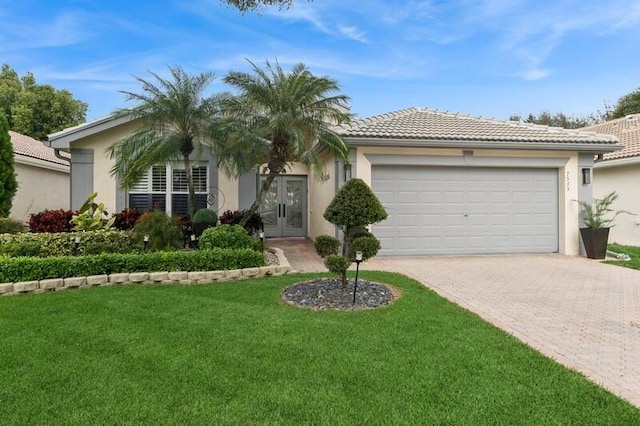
pixel 628 104
pixel 279 119
pixel 562 120
pixel 246 5
pixel 8 182
pixel 35 109
pixel 175 120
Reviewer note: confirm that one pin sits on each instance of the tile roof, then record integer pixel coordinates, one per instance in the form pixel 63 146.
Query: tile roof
pixel 627 130
pixel 434 125
pixel 29 147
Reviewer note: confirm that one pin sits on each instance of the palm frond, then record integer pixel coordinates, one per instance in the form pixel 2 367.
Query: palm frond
pixel 175 122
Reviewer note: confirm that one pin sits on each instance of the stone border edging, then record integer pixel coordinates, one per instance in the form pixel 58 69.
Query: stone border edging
pixel 177 277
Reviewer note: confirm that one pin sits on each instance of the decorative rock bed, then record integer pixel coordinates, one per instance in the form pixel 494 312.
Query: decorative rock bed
pixel 329 294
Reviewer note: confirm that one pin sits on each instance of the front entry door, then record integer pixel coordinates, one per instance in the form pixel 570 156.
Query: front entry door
pixel 284 208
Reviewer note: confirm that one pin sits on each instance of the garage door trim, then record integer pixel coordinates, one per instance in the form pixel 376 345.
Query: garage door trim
pixel 467 161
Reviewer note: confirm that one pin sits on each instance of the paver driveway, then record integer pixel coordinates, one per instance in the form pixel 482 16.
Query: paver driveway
pixel 582 313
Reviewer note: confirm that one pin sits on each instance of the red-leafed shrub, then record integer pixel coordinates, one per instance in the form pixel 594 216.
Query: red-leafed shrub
pixel 234 217
pixel 126 219
pixel 231 217
pixel 51 221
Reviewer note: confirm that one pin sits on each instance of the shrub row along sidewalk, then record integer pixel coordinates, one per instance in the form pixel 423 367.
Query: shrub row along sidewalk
pixel 175 277
pixel 35 268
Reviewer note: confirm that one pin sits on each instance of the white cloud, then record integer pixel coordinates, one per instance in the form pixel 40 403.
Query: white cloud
pixel 353 33
pixel 64 29
pixel 300 11
pixel 533 74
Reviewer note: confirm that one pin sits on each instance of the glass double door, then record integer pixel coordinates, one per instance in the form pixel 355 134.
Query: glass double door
pixel 284 208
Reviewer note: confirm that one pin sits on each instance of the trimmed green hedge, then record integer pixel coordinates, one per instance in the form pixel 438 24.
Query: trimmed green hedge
pixel 36 268
pixel 63 243
pixel 225 236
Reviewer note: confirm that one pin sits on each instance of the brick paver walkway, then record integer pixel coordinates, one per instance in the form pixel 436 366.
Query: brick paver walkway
pixel 584 314
pixel 300 253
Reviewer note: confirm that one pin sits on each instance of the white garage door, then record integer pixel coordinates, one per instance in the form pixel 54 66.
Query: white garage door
pixel 466 210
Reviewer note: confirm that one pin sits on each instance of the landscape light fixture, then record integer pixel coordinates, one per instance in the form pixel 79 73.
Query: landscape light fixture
pixel 146 242
pixel 355 284
pixel 77 245
pixel 261 236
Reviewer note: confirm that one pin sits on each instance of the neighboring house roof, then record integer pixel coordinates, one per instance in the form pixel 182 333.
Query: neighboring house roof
pixel 428 127
pixel 627 130
pixel 26 146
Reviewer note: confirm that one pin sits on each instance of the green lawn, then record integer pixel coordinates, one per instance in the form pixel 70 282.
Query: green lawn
pixel 233 354
pixel 633 252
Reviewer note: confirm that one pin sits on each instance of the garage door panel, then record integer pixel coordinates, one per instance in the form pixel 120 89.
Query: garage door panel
pixel 456 210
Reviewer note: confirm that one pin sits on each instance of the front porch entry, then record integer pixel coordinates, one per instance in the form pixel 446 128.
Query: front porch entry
pixel 284 208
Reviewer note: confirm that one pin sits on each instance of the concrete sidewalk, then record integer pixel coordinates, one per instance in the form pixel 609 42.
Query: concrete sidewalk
pixel 580 312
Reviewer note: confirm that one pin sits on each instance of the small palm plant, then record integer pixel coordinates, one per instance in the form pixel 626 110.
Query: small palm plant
pixel 598 217
pixel 597 214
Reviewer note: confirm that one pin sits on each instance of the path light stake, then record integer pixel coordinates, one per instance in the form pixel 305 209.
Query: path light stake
pixel 193 241
pixel 146 242
pixel 261 236
pixel 355 284
pixel 77 246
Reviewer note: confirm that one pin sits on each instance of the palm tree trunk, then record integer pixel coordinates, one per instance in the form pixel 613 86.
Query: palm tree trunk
pixel 258 201
pixel 192 192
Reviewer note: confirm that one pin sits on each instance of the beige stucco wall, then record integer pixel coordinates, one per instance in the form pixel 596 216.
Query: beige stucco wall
pixel 103 183
pixel 321 192
pixel 41 185
pixel 625 180
pixel 229 188
pixel 568 226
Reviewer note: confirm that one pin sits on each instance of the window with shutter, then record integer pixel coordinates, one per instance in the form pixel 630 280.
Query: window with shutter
pixel 155 191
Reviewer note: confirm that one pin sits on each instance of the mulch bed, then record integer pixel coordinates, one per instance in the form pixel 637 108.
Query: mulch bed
pixel 329 294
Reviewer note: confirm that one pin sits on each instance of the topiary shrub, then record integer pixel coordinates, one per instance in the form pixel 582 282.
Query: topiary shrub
pixel 226 236
pixel 358 231
pixel 326 245
pixel 164 232
pixel 354 208
pixel 11 226
pixel 51 221
pixel 337 264
pixel 368 245
pixel 126 219
pixel 234 217
pixel 203 219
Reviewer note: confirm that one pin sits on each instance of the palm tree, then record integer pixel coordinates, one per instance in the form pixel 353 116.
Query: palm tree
pixel 175 123
pixel 277 119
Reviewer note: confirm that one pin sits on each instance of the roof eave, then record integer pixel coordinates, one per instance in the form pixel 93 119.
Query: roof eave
pixel 64 138
pixel 595 147
pixel 617 162
pixel 38 162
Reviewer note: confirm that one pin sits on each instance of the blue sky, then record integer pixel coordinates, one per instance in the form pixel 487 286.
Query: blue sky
pixel 488 57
